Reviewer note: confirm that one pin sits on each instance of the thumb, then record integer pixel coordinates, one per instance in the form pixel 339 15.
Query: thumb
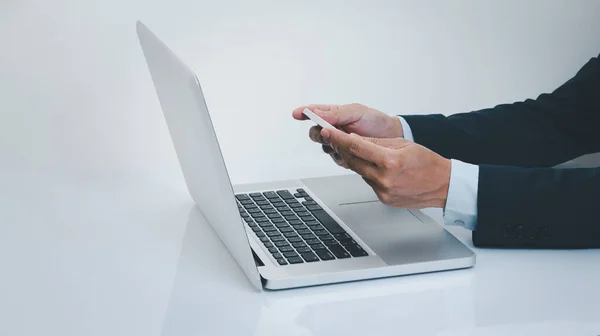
pixel 340 115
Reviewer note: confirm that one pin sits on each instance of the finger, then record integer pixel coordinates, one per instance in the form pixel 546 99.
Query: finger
pixel 363 168
pixel 297 112
pixel 315 134
pixel 354 145
pixel 328 150
pixel 338 160
pixel 393 143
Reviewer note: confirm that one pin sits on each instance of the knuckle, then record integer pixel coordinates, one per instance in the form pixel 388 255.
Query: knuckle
pixel 354 147
pixel 392 161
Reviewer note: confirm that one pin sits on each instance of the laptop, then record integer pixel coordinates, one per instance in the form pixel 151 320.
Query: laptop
pixel 297 233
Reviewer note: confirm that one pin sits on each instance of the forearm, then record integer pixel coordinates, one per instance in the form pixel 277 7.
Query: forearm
pixel 537 207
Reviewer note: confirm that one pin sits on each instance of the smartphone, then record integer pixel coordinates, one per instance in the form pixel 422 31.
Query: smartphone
pixel 316 119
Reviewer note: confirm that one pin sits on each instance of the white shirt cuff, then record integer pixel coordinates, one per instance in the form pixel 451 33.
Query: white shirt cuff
pixel 406 130
pixel 461 204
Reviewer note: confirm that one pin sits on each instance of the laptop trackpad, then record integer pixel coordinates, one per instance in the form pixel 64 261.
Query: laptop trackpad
pixel 395 234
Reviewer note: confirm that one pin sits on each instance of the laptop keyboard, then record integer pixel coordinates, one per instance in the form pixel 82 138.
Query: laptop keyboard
pixel 295 229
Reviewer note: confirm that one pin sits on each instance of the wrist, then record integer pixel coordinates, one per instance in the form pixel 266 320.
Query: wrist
pixel 442 174
pixel 395 128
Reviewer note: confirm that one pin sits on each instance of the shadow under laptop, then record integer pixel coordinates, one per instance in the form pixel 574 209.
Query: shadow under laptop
pixel 212 296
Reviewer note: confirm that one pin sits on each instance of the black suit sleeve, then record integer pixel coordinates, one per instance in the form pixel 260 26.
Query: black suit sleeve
pixel 531 205
pixel 554 128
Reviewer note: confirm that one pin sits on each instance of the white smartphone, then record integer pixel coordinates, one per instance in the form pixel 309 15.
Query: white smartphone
pixel 316 119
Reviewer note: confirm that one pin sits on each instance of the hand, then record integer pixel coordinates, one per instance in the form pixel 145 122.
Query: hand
pixel 402 173
pixel 353 118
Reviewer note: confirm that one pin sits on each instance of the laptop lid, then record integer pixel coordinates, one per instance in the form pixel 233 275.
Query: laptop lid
pixel 197 147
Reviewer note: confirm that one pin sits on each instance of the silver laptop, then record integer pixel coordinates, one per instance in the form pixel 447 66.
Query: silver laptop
pixel 287 234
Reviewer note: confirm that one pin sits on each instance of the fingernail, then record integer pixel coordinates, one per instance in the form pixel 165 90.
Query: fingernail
pixel 325 134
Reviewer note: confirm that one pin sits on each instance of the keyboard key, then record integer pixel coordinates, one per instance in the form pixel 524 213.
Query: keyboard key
pixel 286 229
pixel 256 229
pixel 257 215
pixel 308 198
pixel 274 216
pixel 283 208
pixel 327 238
pixel 281 262
pixel 330 242
pixel 324 254
pixel 347 242
pixel 290 254
pixel 262 220
pixel 287 213
pixel 309 257
pixel 313 207
pixel 246 202
pixel 282 244
pixel 273 234
pixel 299 244
pixel 260 234
pixel 328 222
pixel 242 197
pixel 287 248
pixel 254 195
pixel 300 227
pixel 264 239
pixel 312 222
pixel 270 211
pixel 295 240
pixel 307 218
pixel 339 252
pixel 282 225
pixel 303 249
pixel 321 233
pixel 308 236
pixel 342 236
pixel 277 256
pixel 263 203
pixel 317 247
pixel 266 207
pixel 295 260
pixel 306 203
pixel 303 232
pixel 278 220
pixel 302 213
pixel 248 220
pixel 291 218
pixel 269 228
pixel 264 224
pixel 278 203
pixel 278 239
pixel 273 250
pixel 252 224
pixel 285 194
pixel 296 222
pixel 268 245
pixel 298 195
pixel 290 234
pixel 254 210
pixel 313 241
pixel 300 190
pixel 270 194
pixel 359 253
pixel 245 215
pixel 295 204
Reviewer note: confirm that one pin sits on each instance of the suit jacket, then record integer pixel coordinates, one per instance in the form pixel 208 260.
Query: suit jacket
pixel 522 200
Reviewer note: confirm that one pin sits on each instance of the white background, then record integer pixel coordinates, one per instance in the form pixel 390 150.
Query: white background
pixel 99 237
pixel 76 97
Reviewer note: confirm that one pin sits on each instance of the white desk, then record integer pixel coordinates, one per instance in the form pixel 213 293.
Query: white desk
pixel 84 258
pixel 98 235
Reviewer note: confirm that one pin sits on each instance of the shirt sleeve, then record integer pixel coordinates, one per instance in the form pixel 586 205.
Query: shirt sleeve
pixel 461 204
